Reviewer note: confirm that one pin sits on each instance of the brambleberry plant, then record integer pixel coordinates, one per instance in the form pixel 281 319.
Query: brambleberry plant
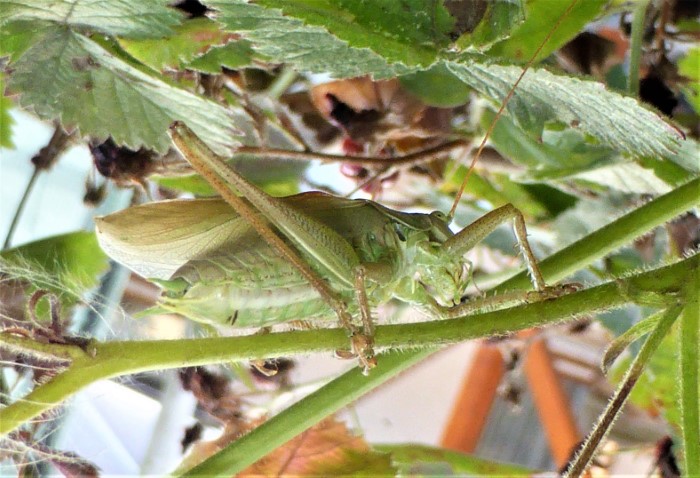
pixel 553 106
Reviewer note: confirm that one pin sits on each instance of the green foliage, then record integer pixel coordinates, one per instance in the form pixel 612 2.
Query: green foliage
pixel 67 75
pixel 125 18
pixel 437 86
pixel 613 120
pixel 127 69
pixel 309 48
pixel 5 118
pixel 541 16
pixel 689 67
pixel 499 20
pixel 420 460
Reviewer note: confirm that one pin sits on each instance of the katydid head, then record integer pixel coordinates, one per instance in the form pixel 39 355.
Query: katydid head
pixel 440 226
pixel 444 276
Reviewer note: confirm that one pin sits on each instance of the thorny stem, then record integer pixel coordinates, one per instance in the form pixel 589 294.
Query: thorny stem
pixel 690 388
pixel 585 456
pixel 612 236
pixel 113 359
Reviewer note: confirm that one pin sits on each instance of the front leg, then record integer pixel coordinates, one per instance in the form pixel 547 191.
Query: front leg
pixel 474 233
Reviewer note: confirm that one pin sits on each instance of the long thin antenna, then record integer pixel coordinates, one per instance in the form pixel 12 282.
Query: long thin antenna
pixel 505 103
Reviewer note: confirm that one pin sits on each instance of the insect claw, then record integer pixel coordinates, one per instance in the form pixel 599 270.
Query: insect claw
pixel 343 354
pixel 264 368
pixel 362 347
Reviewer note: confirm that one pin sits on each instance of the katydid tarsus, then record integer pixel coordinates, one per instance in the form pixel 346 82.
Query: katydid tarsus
pixel 309 256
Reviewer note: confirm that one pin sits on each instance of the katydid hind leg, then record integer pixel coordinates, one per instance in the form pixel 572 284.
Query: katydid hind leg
pixel 342 260
pixel 363 343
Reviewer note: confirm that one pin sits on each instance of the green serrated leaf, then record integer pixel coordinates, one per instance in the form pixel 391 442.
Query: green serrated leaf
pixel 498 21
pixel 16 37
pixel 408 32
pixel 127 18
pixel 553 155
pixel 233 55
pixel 286 39
pixel 190 39
pixel 67 75
pixel 541 16
pixel 612 119
pixel 437 86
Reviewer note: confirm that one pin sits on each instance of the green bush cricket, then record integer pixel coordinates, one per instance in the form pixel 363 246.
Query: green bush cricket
pixel 261 260
pixel 319 255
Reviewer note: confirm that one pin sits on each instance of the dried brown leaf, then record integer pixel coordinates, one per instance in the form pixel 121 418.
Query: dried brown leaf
pixel 327 449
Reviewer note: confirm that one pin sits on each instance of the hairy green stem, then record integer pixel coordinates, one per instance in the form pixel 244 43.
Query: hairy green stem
pixel 612 236
pixel 304 414
pixel 112 359
pixel 614 408
pixel 690 367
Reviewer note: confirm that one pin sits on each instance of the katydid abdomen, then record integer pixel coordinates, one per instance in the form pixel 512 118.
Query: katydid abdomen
pixel 231 276
pixel 251 287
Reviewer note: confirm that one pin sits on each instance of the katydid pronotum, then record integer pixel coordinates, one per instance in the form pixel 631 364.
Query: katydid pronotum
pixel 319 256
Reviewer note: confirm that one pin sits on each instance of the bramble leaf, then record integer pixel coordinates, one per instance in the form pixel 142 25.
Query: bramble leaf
pixel 67 75
pixel 421 460
pixel 127 18
pixel 612 119
pixel 541 16
pixel 321 41
pixel 287 39
pixel 194 37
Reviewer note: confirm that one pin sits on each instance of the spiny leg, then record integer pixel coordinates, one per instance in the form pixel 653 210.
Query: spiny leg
pixel 474 233
pixel 363 343
pixel 213 168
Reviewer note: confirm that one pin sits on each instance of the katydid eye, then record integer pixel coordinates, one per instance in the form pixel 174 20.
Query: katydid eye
pixel 439 215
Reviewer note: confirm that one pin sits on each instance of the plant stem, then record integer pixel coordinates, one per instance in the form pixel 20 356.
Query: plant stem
pixel 612 410
pixel 113 359
pixel 20 208
pixel 690 367
pixel 304 414
pixel 636 39
pixel 612 236
pixel 283 81
pixel 419 157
